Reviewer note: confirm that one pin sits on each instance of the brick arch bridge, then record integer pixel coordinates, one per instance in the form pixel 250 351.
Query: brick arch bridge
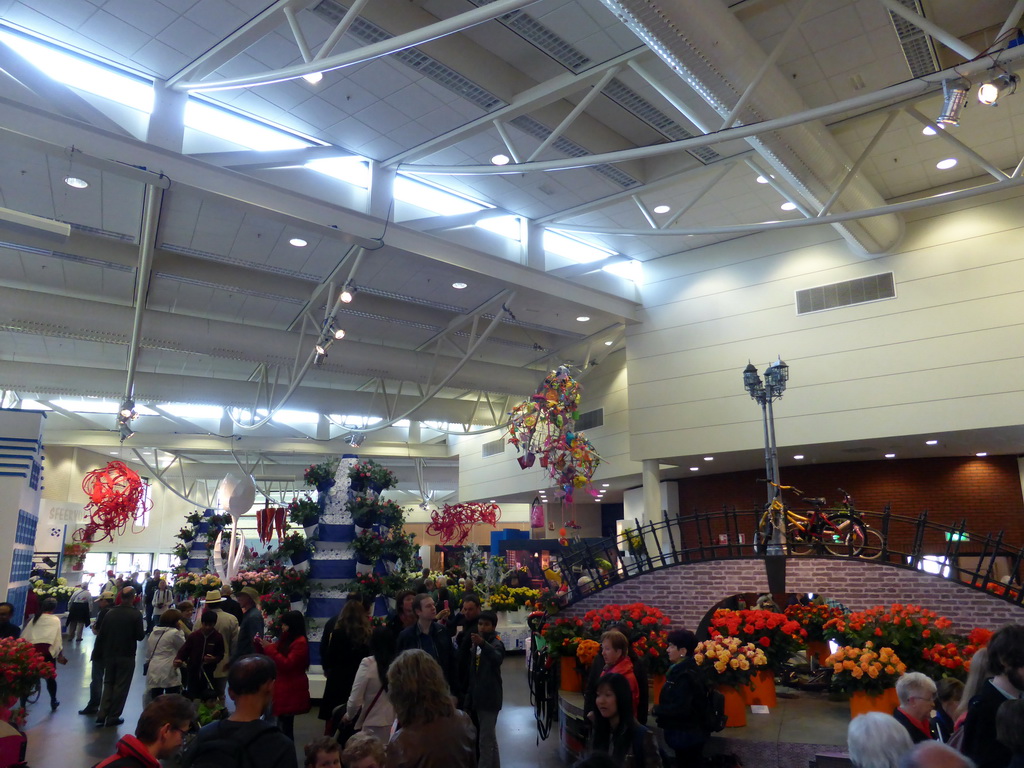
pixel 686 592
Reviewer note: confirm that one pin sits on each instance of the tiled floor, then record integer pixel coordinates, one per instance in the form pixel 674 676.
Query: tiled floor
pixel 65 739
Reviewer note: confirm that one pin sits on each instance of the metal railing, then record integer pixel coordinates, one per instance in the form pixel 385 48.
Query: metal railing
pixel 983 562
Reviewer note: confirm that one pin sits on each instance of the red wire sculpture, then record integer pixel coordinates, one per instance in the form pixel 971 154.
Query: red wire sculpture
pixel 117 497
pixel 454 523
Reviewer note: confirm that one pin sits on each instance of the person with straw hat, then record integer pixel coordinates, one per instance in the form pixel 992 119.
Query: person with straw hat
pixel 227 626
pixel 251 625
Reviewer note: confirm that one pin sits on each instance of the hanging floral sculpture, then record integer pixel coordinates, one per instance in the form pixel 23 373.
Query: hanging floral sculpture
pixel 454 522
pixel 117 497
pixel 268 520
pixel 544 426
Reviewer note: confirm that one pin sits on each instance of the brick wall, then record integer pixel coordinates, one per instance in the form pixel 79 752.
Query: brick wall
pixel 984 491
pixel 687 592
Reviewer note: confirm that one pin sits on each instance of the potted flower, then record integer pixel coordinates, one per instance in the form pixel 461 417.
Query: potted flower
pixel 369 475
pixel 563 637
pixel 76 552
pixel 321 476
pixel 364 510
pixel 297 548
pixel 813 618
pixel 305 513
pixel 368 546
pixel 275 604
pixel 730 664
pixel 390 514
pixel 907 629
pixel 21 669
pixel 868 675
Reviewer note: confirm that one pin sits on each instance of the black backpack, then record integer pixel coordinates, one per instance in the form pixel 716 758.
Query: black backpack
pixel 711 718
pixel 212 749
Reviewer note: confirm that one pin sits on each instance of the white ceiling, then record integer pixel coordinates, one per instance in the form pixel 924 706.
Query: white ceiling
pixel 223 259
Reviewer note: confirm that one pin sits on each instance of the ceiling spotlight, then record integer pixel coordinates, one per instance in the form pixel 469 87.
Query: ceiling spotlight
pixel 356 439
pixel 928 131
pixel 981 455
pixel 762 180
pixel 75 182
pixel 788 206
pixel 339 333
pixel 500 160
pixel 582 319
pixel 298 242
pixel 694 469
pixel 798 456
pixel 662 209
pixel 459 286
pixel 954 98
pixel 605 485
pixel 709 458
pixel 346 296
pixel 945 165
pixel 890 455
pixel 931 442
pixel 125 432
pixel 127 410
pixel 990 92
pixel 313 77
pixel 608 343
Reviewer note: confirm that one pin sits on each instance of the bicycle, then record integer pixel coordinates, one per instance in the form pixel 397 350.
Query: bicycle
pixel 874 542
pixel 837 533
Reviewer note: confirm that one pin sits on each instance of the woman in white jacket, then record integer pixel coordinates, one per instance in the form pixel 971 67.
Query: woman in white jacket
pixel 369 702
pixel 43 631
pixel 161 649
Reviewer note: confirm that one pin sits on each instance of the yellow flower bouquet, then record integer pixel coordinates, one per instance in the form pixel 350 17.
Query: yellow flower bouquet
pixel 865 669
pixel 729 661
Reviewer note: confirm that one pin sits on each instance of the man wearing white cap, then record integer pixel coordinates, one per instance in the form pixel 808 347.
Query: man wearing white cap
pixel 227 625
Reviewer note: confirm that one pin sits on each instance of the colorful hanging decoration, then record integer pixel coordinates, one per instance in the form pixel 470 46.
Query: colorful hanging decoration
pixel 268 520
pixel 117 497
pixel 454 522
pixel 543 427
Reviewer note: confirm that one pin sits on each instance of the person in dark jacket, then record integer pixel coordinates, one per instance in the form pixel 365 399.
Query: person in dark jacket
pixel 158 734
pixel 119 635
pixel 616 732
pixel 461 627
pixel 104 601
pixel 1006 663
pixel 251 626
pixel 680 710
pixel 428 635
pixel 1010 729
pixel 484 691
pixel 7 627
pixel 148 590
pixel 202 652
pixel 345 643
pixel 230 604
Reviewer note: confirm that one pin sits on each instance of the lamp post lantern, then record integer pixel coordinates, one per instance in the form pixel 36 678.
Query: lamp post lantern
pixel 764 392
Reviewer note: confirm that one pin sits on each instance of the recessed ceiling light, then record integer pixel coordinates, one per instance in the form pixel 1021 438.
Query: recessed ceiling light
pixel 981 454
pixel 662 209
pixel 945 165
pixel 694 469
pixel 460 286
pixel 298 242
pixel 798 456
pixel 582 319
pixel 931 442
pixel 313 77
pixel 500 159
pixel 113 453
pixel 608 343
pixel 762 180
pixel 788 206
pixel 605 485
pixel 928 131
pixel 709 458
pixel 491 501
pixel 77 183
pixel 890 455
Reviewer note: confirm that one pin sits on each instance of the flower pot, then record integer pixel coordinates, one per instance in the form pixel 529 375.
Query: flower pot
pixel 310 530
pixel 657 683
pixel 735 707
pixel 526 460
pixel 297 605
pixel 301 567
pixel 364 567
pixel 77 566
pixel 862 702
pixel 817 649
pixel 763 691
pixel 570 678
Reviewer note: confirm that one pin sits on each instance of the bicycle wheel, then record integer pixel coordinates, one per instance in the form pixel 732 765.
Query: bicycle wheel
pixel 799 540
pixel 763 535
pixel 843 536
pixel 873 544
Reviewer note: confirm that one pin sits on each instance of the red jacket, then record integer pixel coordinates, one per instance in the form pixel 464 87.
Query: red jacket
pixel 624 667
pixel 131 753
pixel 291 691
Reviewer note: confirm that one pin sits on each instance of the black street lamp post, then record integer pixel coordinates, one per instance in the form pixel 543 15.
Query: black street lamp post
pixel 764 393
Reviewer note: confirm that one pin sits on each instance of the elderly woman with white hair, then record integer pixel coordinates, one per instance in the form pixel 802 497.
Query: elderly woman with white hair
pixel 877 740
pixel 916 693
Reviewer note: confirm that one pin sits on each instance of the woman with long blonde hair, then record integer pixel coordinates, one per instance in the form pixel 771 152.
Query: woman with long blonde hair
pixel 431 733
pixel 345 643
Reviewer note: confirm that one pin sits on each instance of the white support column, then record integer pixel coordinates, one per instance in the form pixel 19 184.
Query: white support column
pixel 167 121
pixel 651 474
pixel 382 190
pixel 536 257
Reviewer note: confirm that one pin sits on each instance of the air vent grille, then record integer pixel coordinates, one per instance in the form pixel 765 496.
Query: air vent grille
pixel 918 48
pixel 531 30
pixel 590 420
pixel 860 291
pixel 637 105
pixel 570 148
pixel 368 32
pixel 493 448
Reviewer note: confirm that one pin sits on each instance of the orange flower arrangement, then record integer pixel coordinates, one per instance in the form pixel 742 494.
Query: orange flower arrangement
pixel 729 661
pixel 907 629
pixel 777 636
pixel 865 669
pixel 813 617
pixel 587 651
pixel 953 659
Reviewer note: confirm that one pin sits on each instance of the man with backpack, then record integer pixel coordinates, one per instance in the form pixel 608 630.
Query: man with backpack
pixel 158 734
pixel 245 739
pixel 686 710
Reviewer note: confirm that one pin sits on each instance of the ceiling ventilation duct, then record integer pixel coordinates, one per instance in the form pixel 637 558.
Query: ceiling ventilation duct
pixel 706 46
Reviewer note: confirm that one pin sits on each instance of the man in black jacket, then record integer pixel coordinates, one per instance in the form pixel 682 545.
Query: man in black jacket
pixel 428 635
pixel 1006 663
pixel 119 637
pixel 680 710
pixel 148 590
pixel 104 601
